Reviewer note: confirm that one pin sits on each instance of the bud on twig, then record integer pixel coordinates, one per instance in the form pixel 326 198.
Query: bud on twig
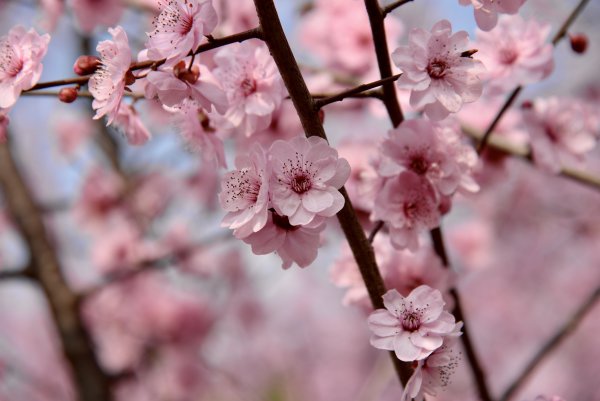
pixel 85 65
pixel 578 42
pixel 68 95
pixel 189 75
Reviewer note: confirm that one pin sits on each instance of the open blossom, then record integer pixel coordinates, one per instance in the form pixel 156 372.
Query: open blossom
pixel 439 77
pixel 252 83
pixel 130 124
pixel 486 11
pixel 432 151
pixel 91 13
pixel 408 204
pixel 199 135
pixel 435 371
pixel 245 193
pixel 21 54
pixel 515 52
pixel 179 28
pixel 108 82
pixel 561 130
pixel 307 174
pixel 413 326
pixel 177 83
pixel 293 244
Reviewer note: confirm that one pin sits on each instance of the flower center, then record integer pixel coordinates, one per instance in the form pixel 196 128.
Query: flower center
pixel 10 63
pixel 411 321
pixel 419 165
pixel 248 86
pixel 186 24
pixel 437 69
pixel 301 183
pixel 508 56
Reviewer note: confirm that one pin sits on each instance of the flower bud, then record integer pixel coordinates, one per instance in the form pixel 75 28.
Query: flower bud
pixel 526 105
pixel 188 75
pixel 67 95
pixel 579 42
pixel 85 65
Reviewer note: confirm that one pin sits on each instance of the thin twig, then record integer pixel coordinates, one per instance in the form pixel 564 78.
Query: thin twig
pixel 309 116
pixel 391 7
pixel 552 344
pixel 370 94
pixel 476 368
pixel 83 94
pixel 376 228
pixel 505 146
pixel 354 91
pixel 390 99
pixel 513 96
pixel 254 33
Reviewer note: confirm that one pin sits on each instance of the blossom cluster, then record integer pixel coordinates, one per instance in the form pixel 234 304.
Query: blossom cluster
pixel 417 328
pixel 278 200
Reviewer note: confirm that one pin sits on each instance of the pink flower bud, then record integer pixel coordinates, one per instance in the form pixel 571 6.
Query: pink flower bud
pixel 190 75
pixel 579 42
pixel 67 95
pixel 85 65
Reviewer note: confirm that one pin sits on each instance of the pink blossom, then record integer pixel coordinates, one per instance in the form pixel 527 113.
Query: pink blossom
pixel 101 193
pixel 53 10
pixel 435 371
pixel 401 270
pixel 439 77
pixel 92 13
pixel 180 28
pixel 252 83
pixel 245 193
pixel 117 248
pixel 340 34
pixel 174 84
pixel 486 11
pixel 199 134
pixel 236 17
pixel 432 151
pixel 307 174
pixel 108 82
pixel 293 244
pixel 21 54
pixel 72 133
pixel 408 204
pixel 413 326
pixel 515 52
pixel 361 155
pixel 561 130
pixel 129 123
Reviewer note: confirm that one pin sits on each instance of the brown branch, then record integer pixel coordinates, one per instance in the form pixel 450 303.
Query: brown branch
pixel 305 107
pixel 90 381
pixel 17 274
pixel 375 93
pixel 505 146
pixel 552 344
pixel 513 96
pixel 355 91
pixel 211 45
pixel 390 99
pixel 80 94
pixel 391 7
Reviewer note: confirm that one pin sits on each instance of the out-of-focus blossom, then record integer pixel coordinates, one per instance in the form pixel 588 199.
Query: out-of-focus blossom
pixel 486 11
pixel 307 174
pixel 53 10
pixel 92 13
pixel 107 85
pixel 21 54
pixel 340 34
pixel 180 28
pixel 439 76
pixel 72 133
pixel 515 52
pixel 561 130
pixel 175 84
pixel 199 134
pixel 101 194
pixel 408 204
pixel 128 122
pixel 252 83
pixel 236 17
pixel 245 193
pixel 401 270
pixel 360 185
pixel 432 151
pixel 434 372
pixel 293 244
pixel 413 326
